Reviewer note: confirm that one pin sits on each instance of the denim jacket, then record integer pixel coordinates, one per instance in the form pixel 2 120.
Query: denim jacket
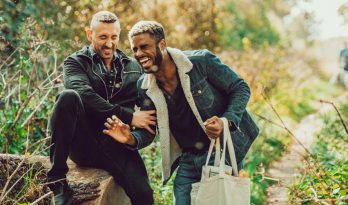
pixel 82 74
pixel 211 88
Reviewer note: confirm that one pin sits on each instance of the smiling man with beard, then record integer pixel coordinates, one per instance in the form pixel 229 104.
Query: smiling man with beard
pixel 191 91
pixel 100 81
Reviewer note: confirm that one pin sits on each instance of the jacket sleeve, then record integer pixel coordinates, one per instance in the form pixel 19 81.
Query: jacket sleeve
pixel 226 80
pixel 75 77
pixel 142 136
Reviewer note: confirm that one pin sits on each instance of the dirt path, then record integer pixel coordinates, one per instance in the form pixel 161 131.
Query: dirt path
pixel 291 163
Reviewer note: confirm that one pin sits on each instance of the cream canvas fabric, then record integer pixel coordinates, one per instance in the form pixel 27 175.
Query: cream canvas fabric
pixel 220 185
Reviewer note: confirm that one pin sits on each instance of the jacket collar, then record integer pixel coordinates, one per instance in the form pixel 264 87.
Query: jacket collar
pixel 89 53
pixel 181 61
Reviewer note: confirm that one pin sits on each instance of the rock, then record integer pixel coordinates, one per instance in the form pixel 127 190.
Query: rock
pixel 84 181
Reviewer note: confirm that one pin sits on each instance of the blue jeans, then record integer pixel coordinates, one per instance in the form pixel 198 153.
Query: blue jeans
pixel 189 172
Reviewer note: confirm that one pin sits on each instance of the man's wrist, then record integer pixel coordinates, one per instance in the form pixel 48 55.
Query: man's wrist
pixel 131 141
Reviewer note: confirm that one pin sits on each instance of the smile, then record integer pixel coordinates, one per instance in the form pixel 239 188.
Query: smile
pixel 144 60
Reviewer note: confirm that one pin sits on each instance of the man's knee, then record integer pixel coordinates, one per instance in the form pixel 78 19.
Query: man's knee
pixel 68 99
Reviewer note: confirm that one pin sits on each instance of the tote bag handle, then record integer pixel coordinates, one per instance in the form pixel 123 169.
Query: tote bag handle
pixel 227 139
pixel 217 152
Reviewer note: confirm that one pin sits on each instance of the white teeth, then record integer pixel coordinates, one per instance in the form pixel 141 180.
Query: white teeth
pixel 143 60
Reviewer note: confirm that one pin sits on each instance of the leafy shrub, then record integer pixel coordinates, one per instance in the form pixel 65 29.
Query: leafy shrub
pixel 326 180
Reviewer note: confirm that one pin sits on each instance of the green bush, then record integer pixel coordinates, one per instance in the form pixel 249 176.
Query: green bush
pixel 152 158
pixel 326 180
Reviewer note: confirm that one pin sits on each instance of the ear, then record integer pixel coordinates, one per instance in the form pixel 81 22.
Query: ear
pixel 88 33
pixel 162 44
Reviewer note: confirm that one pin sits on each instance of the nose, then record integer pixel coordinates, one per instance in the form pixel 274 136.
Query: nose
pixel 109 43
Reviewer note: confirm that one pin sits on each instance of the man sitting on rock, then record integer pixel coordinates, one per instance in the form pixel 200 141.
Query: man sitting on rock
pixel 100 81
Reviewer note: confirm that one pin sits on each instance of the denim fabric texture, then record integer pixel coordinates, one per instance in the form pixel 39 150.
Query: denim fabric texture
pixel 217 90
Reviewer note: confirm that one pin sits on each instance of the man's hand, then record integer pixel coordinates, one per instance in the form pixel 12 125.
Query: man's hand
pixel 143 119
pixel 214 127
pixel 119 131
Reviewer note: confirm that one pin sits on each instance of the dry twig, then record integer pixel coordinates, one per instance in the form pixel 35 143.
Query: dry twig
pixel 338 113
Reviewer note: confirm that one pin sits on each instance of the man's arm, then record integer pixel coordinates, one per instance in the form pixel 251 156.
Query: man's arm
pixel 76 78
pixel 138 138
pixel 226 80
pixel 142 136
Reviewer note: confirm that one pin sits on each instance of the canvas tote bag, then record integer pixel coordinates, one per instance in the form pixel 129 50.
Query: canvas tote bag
pixel 219 185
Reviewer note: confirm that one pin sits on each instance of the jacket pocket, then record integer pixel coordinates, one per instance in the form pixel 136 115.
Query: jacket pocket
pixel 202 94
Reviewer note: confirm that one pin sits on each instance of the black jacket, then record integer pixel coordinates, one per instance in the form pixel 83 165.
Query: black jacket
pixel 82 74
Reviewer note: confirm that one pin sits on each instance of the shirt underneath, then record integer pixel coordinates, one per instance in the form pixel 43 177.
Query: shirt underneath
pixel 183 124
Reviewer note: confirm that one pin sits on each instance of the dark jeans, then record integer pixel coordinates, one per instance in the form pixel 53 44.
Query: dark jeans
pixel 73 135
pixel 189 172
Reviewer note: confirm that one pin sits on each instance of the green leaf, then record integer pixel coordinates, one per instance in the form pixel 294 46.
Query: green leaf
pixel 335 191
pixel 342 193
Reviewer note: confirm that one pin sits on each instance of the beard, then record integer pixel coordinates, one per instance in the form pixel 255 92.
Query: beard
pixel 157 62
pixel 159 57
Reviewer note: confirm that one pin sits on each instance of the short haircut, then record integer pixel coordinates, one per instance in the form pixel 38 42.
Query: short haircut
pixel 104 17
pixel 151 27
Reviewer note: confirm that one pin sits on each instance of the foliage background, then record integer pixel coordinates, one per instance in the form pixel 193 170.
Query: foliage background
pixel 36 35
pixel 326 182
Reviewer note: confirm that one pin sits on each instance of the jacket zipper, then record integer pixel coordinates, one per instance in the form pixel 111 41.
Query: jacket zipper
pixel 121 80
pixel 106 90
